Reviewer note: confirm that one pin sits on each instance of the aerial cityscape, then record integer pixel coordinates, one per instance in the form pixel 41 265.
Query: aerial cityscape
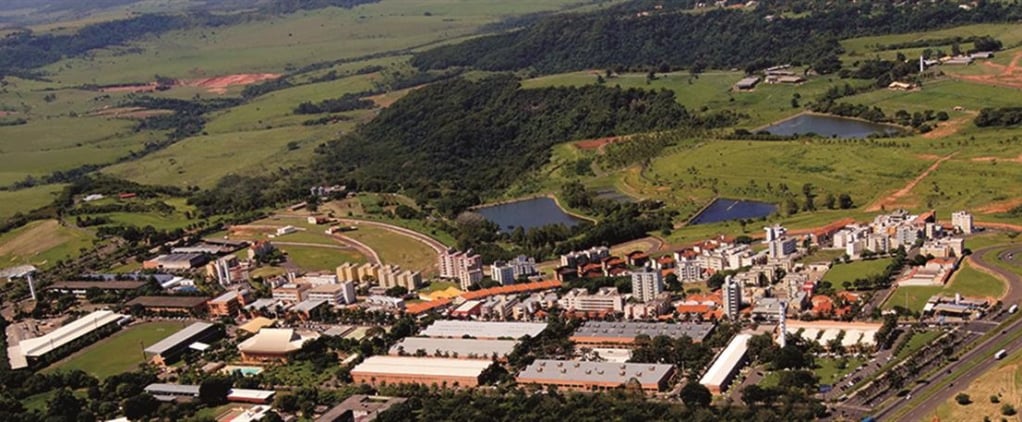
pixel 510 210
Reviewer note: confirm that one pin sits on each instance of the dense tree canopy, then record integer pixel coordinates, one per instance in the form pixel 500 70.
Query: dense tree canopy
pixel 637 34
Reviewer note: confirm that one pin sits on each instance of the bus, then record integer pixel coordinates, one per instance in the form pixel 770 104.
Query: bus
pixel 1000 354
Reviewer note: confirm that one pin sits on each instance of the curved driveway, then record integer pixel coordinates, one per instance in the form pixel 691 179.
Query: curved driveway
pixel 1013 290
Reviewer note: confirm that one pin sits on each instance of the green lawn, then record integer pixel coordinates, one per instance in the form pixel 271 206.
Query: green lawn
pixel 25 200
pixel 830 371
pixel 841 273
pixel 310 258
pixel 397 249
pixel 972 282
pixel 917 341
pixel 911 297
pixel 437 286
pixel 119 353
pixel 42 243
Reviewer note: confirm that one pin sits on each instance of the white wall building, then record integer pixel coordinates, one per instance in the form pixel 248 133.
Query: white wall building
pixel 647 284
pixel 962 220
pixel 732 297
pixel 466 267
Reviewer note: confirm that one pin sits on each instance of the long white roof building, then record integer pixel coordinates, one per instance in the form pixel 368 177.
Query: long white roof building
pixel 726 365
pixel 39 346
pixel 483 329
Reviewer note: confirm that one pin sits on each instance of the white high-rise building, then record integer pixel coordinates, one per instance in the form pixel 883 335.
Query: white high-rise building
pixel 507 272
pixel 502 273
pixel 732 296
pixel 465 267
pixel 962 220
pixel 647 284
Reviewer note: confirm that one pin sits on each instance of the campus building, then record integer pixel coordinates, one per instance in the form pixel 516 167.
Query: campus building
pixel 192 305
pixel 596 376
pixel 458 348
pixel 483 329
pixel 60 341
pixel 604 333
pixel 443 372
pixel 726 366
pixel 334 294
pixel 606 299
pixel 647 284
pixel 273 345
pixel 171 348
pixel 466 267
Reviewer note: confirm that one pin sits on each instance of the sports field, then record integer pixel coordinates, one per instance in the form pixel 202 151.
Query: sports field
pixel 393 248
pixel 121 352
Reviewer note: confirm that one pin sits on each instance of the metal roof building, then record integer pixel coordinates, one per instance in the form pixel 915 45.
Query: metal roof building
pixel 455 347
pixel 481 329
pixel 726 366
pixel 42 345
pixel 427 371
pixel 600 332
pixel 595 376
pixel 169 392
pixel 171 347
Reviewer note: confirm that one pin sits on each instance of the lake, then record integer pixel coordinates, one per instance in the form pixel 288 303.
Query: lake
pixel 828 126
pixel 529 213
pixel 733 209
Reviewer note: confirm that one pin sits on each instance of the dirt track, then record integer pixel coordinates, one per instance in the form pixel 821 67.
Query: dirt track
pixel 892 199
pixel 1008 77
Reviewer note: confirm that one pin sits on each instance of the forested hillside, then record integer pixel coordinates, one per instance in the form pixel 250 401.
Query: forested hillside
pixel 721 38
pixel 455 140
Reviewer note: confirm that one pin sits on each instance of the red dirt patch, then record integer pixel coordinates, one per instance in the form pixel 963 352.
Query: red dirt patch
pixel 386 99
pixel 594 144
pixel 1002 206
pixel 949 127
pixel 892 199
pixel 219 84
pixel 1000 159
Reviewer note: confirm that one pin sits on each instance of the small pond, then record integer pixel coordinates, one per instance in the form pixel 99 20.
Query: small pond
pixel 529 213
pixel 828 126
pixel 733 209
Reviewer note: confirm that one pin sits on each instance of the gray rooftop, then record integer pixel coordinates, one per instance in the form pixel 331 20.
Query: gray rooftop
pixel 480 329
pixel 465 348
pixel 696 331
pixel 179 337
pixel 308 305
pixel 172 389
pixel 563 371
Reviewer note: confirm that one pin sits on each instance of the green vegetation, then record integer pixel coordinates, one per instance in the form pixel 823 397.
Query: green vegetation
pixel 917 341
pixel 311 258
pixel 912 298
pixel 42 243
pixel 839 274
pixel 975 283
pixel 397 249
pixel 120 353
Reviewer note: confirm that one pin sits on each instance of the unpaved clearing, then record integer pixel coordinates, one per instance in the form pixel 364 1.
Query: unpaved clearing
pixel 894 198
pixel 594 144
pixel 1001 206
pixel 950 127
pixel 129 112
pixel 219 84
pixel 35 239
pixel 1009 76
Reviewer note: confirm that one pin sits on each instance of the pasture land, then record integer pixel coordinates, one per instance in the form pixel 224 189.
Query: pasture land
pixel 286 42
pixel 1003 381
pixel 25 200
pixel 121 352
pixel 203 160
pixel 42 243
pixel 864 47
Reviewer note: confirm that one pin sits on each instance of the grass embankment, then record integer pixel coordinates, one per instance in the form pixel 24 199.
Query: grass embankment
pixel 842 273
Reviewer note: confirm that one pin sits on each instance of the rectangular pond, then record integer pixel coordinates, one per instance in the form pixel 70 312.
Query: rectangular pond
pixel 528 213
pixel 828 126
pixel 723 209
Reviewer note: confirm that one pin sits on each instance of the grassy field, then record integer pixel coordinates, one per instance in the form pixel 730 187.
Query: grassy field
pixel 849 272
pixel 827 369
pixel 1003 381
pixel 917 342
pixel 712 90
pixel 203 160
pixel 972 282
pixel 42 243
pixel 279 43
pixel 397 249
pixel 311 258
pixel 967 281
pixel 25 200
pixel 860 48
pixel 120 353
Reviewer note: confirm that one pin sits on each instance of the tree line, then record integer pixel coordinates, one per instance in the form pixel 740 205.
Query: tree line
pixel 720 38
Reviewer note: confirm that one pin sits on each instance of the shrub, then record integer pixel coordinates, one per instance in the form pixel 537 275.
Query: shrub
pixel 963 399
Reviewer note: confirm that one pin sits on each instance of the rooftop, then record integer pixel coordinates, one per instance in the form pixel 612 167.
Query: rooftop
pixel 175 389
pixel 359 403
pixel 275 341
pixel 439 367
pixel 726 361
pixel 483 349
pixel 562 371
pixel 480 329
pixel 168 301
pixel 179 337
pixel 256 324
pixel 629 330
pixel 178 257
pixel 308 305
pixel 108 285
pixel 44 344
pixel 243 393
pixel 226 297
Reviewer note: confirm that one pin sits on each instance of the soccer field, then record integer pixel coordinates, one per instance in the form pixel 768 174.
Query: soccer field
pixel 119 353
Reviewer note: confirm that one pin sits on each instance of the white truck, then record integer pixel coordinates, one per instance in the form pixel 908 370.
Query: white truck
pixel 1000 354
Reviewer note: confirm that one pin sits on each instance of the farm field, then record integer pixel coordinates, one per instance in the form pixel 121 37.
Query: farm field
pixel 120 352
pixel 859 48
pixel 42 243
pixel 841 273
pixel 25 200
